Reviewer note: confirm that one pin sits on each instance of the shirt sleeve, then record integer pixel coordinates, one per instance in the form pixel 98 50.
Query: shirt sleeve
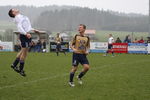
pixel 73 40
pixel 88 43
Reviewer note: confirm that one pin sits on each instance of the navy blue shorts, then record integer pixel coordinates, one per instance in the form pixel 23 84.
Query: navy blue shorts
pixel 58 46
pixel 25 42
pixel 79 58
pixel 110 46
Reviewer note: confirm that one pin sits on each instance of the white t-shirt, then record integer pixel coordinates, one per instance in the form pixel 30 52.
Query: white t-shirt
pixel 23 24
pixel 110 40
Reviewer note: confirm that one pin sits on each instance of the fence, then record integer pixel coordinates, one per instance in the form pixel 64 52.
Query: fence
pixel 97 47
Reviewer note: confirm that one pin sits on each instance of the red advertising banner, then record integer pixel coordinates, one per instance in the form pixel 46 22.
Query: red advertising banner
pixel 120 47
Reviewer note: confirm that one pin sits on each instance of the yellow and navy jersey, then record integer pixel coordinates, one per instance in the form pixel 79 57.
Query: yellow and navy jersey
pixel 58 40
pixel 81 43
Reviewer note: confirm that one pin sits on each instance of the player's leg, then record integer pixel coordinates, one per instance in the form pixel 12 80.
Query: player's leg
pixel 62 50
pixel 75 64
pixel 22 58
pixel 112 51
pixel 72 72
pixel 57 50
pixel 107 52
pixel 85 69
pixel 15 63
pixel 22 61
pixel 26 52
pixel 85 63
pixel 17 59
pixel 109 49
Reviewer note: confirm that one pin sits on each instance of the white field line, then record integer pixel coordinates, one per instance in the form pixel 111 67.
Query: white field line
pixel 62 75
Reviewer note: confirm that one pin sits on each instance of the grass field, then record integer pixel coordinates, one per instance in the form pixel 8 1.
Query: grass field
pixel 124 77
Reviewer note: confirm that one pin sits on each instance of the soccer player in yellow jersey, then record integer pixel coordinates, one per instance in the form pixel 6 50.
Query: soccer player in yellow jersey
pixel 80 46
pixel 58 41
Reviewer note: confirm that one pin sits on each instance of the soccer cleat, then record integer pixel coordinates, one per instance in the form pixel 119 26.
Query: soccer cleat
pixel 15 68
pixel 79 80
pixel 71 84
pixel 22 73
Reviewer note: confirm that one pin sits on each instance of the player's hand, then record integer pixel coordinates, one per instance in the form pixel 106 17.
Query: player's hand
pixel 28 35
pixel 87 52
pixel 37 31
pixel 75 50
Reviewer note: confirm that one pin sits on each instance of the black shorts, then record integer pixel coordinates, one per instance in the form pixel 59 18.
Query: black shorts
pixel 110 46
pixel 58 46
pixel 25 42
pixel 79 58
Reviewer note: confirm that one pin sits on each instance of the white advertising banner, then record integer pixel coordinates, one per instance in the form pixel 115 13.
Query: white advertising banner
pixel 98 46
pixel 148 48
pixel 6 46
pixel 137 47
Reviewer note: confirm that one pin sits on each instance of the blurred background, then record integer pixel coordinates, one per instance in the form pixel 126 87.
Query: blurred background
pixel 121 18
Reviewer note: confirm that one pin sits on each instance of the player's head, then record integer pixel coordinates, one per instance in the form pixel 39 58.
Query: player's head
pixel 82 28
pixel 58 34
pixel 13 12
pixel 110 35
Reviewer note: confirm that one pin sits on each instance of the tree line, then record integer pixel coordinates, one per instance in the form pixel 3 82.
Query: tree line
pixel 93 18
pixel 67 18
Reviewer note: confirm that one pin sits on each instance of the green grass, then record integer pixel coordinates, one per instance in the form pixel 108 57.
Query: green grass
pixel 124 77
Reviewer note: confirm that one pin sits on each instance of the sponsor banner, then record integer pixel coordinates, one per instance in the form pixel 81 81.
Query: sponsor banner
pixel 148 48
pixel 64 46
pixel 120 47
pixel 6 46
pixel 98 47
pixel 137 48
pixel 101 47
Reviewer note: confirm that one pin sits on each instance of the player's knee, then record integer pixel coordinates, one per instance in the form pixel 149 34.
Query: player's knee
pixel 87 68
pixel 18 56
pixel 74 69
pixel 22 58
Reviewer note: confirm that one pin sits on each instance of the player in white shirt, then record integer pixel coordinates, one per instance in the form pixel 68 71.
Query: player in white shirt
pixel 110 45
pixel 24 28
